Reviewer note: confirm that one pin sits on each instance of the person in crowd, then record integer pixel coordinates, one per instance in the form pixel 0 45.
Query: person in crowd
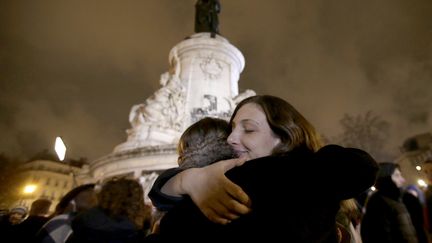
pixel 348 221
pixel 118 216
pixel 284 155
pixel 85 194
pixel 427 168
pixel 16 215
pixel 9 223
pixel 58 229
pixel 386 219
pixel 412 197
pixel 38 216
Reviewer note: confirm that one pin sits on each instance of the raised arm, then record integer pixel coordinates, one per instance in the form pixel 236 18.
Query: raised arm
pixel 161 199
pixel 218 198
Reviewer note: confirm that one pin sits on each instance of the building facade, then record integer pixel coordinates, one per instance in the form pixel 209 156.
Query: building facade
pixel 415 151
pixel 45 179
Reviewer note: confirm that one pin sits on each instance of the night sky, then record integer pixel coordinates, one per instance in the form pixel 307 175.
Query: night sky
pixel 75 68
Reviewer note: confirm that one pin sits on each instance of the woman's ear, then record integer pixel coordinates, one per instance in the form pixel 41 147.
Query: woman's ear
pixel 276 142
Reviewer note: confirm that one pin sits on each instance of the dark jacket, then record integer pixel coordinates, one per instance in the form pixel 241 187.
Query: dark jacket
pixel 386 219
pixel 96 227
pixel 28 229
pixel 295 198
pixel 416 212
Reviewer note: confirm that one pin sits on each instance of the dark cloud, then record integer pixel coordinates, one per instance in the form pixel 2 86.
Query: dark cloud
pixel 75 68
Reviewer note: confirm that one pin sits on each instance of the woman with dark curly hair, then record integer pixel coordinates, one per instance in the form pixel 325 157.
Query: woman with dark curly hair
pixel 117 218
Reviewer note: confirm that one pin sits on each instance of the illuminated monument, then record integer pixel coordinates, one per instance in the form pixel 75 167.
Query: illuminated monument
pixel 202 80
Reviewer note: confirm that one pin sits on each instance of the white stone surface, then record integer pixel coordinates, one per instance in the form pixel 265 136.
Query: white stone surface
pixel 202 80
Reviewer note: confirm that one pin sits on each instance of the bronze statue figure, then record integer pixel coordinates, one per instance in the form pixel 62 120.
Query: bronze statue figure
pixel 206 16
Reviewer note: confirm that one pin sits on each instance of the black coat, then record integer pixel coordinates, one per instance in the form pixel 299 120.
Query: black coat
pixel 295 198
pixel 95 226
pixel 386 219
pixel 416 212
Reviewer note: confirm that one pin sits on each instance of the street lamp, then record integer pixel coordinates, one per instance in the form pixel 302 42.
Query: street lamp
pixel 60 149
pixel 27 194
pixel 29 189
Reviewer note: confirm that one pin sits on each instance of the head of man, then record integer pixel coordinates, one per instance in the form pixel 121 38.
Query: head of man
pixel 389 171
pixel 78 199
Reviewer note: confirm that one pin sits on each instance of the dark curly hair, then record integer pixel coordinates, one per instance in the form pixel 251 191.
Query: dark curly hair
pixel 204 143
pixel 122 197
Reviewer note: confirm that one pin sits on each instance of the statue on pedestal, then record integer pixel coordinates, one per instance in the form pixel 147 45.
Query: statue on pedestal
pixel 163 110
pixel 206 16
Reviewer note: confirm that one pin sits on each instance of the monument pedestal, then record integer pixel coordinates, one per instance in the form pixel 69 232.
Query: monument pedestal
pixel 202 81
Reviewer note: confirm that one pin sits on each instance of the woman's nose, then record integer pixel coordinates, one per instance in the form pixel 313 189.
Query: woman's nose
pixel 231 139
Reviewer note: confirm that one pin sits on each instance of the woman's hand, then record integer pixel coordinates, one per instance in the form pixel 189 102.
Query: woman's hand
pixel 218 198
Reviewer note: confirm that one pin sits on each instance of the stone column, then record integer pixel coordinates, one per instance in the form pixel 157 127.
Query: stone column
pixel 209 70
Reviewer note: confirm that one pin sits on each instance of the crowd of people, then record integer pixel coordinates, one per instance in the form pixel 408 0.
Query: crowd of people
pixel 263 175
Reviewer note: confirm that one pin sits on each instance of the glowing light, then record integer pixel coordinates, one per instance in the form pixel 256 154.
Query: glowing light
pixel 418 168
pixel 28 189
pixel 373 188
pixel 421 183
pixel 60 148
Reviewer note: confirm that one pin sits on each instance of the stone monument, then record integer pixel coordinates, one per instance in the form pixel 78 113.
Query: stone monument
pixel 202 80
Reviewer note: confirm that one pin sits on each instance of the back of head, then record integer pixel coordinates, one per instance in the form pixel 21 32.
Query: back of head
pixel 80 198
pixel 40 207
pixel 386 169
pixel 286 122
pixel 384 182
pixel 85 200
pixel 204 142
pixel 122 198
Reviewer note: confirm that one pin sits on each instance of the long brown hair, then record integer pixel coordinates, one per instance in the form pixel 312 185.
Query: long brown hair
pixel 286 122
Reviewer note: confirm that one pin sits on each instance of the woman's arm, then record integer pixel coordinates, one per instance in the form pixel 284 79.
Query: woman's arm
pixel 218 198
pixel 161 200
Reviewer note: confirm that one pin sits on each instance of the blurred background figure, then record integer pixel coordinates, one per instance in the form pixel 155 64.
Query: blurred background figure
pixel 413 198
pixel 10 221
pixel 118 217
pixel 38 216
pixel 348 221
pixel 427 168
pixel 58 228
pixel 386 219
pixel 16 215
pixel 85 195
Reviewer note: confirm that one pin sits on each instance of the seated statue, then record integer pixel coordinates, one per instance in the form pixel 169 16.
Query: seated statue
pixel 163 108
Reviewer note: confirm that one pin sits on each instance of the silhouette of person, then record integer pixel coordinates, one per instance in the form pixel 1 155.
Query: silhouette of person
pixel 206 16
